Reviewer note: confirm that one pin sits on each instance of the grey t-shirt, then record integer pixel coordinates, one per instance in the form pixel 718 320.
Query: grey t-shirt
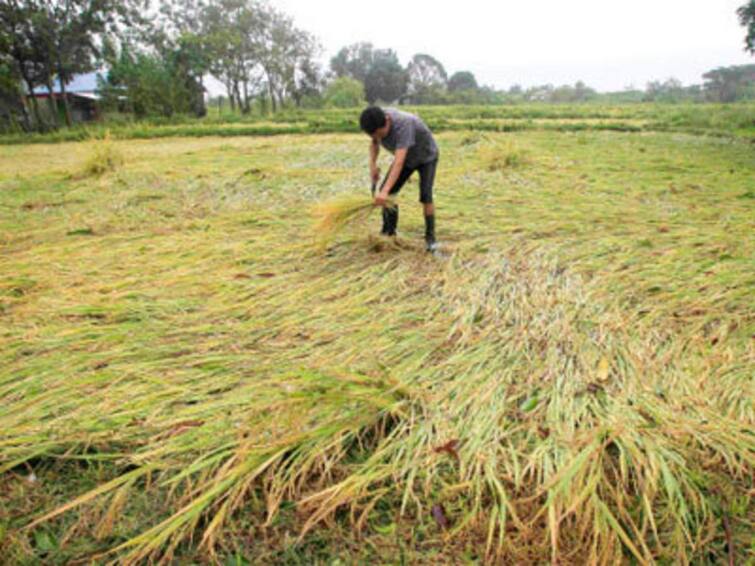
pixel 408 130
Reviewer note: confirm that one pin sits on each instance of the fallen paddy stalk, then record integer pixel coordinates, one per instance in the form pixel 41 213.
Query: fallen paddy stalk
pixel 539 412
pixel 569 386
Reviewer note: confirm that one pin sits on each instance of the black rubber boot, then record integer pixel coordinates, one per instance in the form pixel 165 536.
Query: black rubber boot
pixel 430 244
pixel 386 222
pixel 390 221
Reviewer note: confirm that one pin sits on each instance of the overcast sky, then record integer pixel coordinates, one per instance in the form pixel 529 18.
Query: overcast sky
pixel 609 44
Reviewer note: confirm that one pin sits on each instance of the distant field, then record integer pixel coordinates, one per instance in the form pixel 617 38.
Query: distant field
pixel 733 120
pixel 575 383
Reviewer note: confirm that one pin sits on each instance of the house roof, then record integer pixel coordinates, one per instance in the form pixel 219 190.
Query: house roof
pixel 88 95
pixel 85 83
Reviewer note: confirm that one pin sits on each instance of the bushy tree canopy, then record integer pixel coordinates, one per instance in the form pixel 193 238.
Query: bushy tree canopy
pixel 49 39
pixel 354 61
pixel 387 80
pixel 462 80
pixel 427 78
pixel 345 92
pixel 746 14
pixel 728 84
pixel 256 49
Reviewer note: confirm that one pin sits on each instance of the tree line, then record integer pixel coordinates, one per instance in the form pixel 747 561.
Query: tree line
pixel 158 55
pixel 724 85
pixel 41 40
pixel 365 73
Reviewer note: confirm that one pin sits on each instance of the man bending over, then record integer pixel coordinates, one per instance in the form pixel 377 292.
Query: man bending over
pixel 414 149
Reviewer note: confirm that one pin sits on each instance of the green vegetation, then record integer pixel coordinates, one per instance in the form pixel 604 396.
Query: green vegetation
pixel 725 120
pixel 345 92
pixel 425 81
pixel 41 42
pixel 746 13
pixel 184 374
pixel 155 63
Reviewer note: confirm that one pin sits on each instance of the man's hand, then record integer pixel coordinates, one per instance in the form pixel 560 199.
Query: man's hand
pixel 393 175
pixel 381 198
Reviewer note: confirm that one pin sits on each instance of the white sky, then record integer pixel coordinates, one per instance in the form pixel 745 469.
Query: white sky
pixel 609 44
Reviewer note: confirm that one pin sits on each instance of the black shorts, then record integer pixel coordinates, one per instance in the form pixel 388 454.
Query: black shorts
pixel 426 180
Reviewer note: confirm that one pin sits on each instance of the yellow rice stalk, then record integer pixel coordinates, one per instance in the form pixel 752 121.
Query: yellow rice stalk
pixel 104 157
pixel 334 216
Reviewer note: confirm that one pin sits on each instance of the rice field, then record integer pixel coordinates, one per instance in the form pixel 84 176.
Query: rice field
pixel 189 374
pixel 719 120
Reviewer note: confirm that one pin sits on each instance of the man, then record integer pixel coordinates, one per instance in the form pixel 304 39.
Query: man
pixel 414 149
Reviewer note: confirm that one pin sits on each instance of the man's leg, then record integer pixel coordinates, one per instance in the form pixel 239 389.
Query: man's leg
pixel 390 215
pixel 426 181
pixel 390 221
pixel 429 210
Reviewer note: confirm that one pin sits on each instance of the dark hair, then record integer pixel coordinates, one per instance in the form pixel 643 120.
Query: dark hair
pixel 373 118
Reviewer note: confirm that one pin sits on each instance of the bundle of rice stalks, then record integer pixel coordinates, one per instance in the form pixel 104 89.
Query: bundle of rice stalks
pixel 333 216
pixel 104 158
pixel 503 156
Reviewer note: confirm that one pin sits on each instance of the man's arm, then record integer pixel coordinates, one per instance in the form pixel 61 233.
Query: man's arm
pixel 374 152
pixel 396 167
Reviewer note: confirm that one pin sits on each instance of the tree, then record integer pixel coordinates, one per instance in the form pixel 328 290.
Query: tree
pixel 178 17
pixel 12 108
pixel 161 68
pixel 729 84
pixel 668 91
pixel 540 93
pixel 233 35
pixel 386 79
pixel 286 50
pixel 60 38
pixel 179 35
pixel 746 14
pixel 257 50
pixel 582 92
pixel 345 92
pixel 190 63
pixel 308 83
pixel 426 79
pixel 462 80
pixel 70 30
pixel 22 48
pixel 151 83
pixel 354 61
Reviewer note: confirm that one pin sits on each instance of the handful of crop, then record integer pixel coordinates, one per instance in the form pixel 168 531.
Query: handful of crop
pixel 334 216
